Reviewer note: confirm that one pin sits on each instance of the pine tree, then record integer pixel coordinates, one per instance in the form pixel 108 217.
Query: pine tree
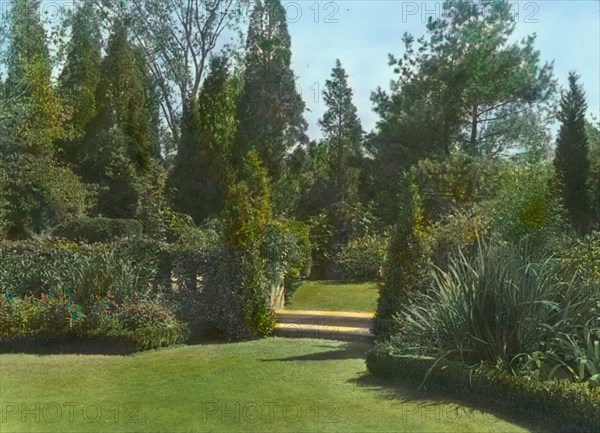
pixel 571 160
pixel 270 112
pixel 342 133
pixel 201 170
pixel 79 79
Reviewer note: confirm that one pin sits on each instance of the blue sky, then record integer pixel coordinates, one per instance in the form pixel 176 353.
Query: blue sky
pixel 361 33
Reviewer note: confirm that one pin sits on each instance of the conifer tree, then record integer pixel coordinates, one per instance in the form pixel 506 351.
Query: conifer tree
pixel 270 112
pixel 79 79
pixel 201 171
pixel 36 191
pixel 405 270
pixel 342 134
pixel 117 149
pixel 571 160
pixel 122 91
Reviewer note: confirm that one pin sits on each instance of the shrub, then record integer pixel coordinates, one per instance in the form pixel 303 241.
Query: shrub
pixel 247 215
pixel 146 323
pixel 35 267
pixel 321 240
pixel 48 317
pixel 524 205
pixel 93 230
pixel 458 230
pixel 498 304
pixel 362 258
pixel 566 406
pixel 287 251
pixel 405 270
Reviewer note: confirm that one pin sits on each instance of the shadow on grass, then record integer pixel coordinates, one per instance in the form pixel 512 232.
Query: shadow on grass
pixel 350 350
pixel 477 407
pixel 67 346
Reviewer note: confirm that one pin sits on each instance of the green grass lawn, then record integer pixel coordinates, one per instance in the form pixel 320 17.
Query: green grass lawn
pixel 335 296
pixel 278 385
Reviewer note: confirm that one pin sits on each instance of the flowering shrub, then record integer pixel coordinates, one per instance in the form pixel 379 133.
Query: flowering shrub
pixel 50 316
pixel 145 323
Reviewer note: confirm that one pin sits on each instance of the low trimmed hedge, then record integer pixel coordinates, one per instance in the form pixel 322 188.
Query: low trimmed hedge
pixel 93 230
pixel 567 406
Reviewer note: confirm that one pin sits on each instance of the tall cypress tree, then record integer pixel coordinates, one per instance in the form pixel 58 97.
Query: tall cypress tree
pixel 201 169
pixel 270 112
pixel 405 269
pixel 117 149
pixel 79 79
pixel 571 160
pixel 122 91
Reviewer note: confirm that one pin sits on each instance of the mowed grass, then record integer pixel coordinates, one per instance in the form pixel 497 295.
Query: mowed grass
pixel 271 385
pixel 334 296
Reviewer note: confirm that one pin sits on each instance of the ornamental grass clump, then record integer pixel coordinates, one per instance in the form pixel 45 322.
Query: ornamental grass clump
pixel 496 305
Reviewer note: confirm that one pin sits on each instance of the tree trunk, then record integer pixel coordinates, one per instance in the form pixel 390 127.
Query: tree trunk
pixel 473 142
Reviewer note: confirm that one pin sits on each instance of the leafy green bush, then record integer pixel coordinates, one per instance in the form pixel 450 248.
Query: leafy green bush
pixel 147 323
pixel 321 240
pixel 287 250
pixel 498 304
pixel 524 205
pixel 566 406
pixel 93 230
pixel 362 258
pixel 457 230
pixel 36 266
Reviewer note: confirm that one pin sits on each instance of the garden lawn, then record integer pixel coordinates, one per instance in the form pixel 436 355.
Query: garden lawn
pixel 334 296
pixel 273 385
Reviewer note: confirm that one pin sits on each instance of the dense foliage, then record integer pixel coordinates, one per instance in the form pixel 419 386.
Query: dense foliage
pixel 152 188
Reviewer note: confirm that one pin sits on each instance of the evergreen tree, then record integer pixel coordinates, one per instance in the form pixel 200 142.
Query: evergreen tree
pixel 464 86
pixel 246 216
pixel 405 270
pixel 270 112
pixel 340 123
pixel 342 134
pixel 571 160
pixel 36 114
pixel 122 91
pixel 200 174
pixel 117 149
pixel 79 79
pixel 153 97
pixel 328 171
pixel 36 191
